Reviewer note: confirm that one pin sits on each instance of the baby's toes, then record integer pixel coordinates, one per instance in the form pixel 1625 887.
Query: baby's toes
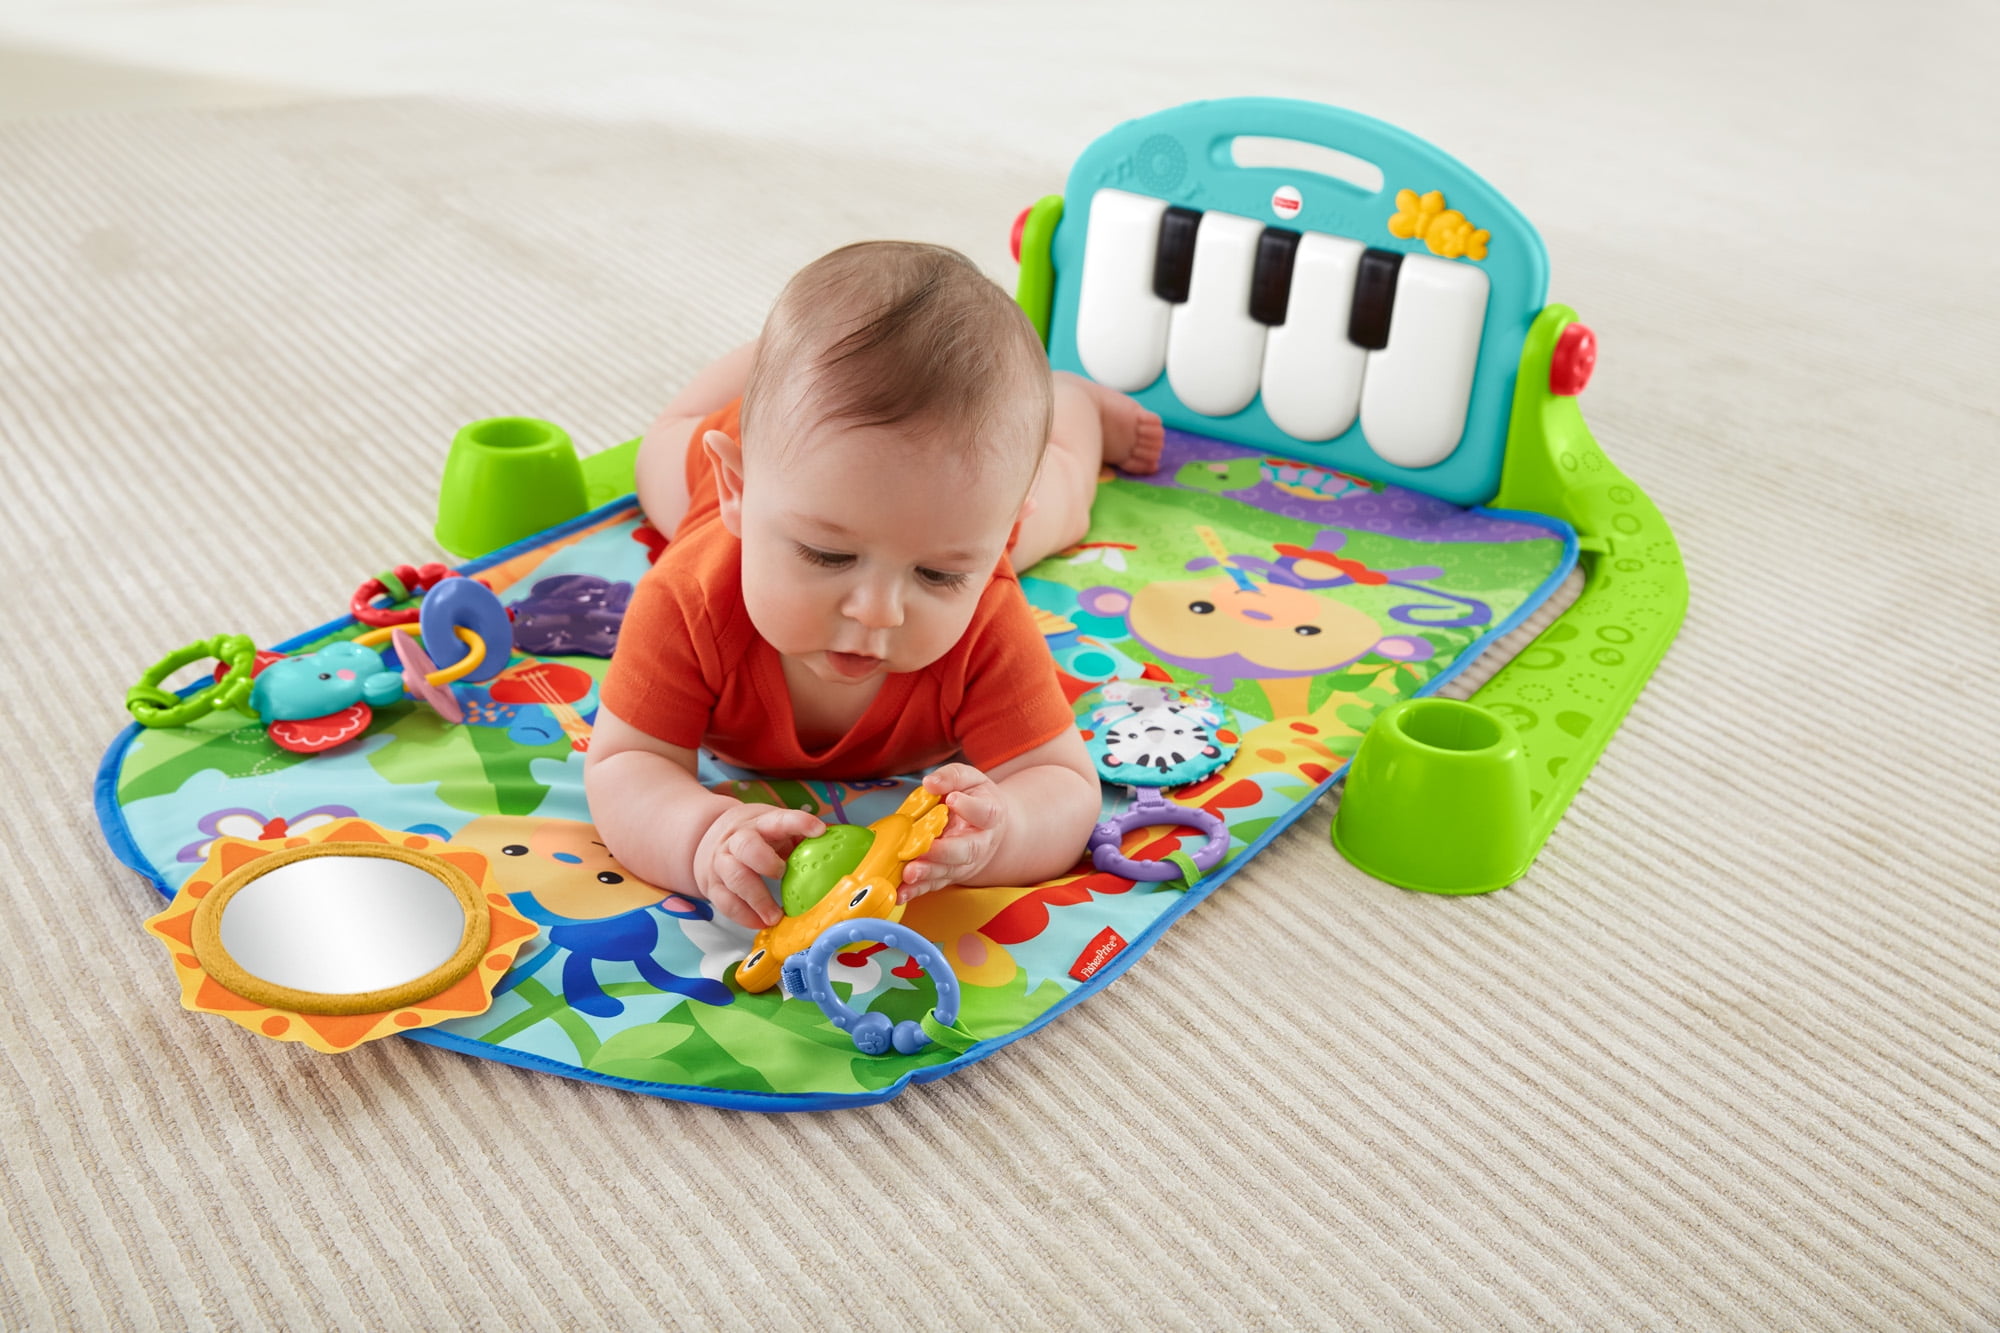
pixel 1132 435
pixel 1149 439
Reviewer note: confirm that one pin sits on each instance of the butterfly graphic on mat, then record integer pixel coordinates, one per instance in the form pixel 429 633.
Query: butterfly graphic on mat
pixel 242 822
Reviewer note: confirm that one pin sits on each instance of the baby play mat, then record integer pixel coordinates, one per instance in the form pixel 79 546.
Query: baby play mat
pixel 1303 598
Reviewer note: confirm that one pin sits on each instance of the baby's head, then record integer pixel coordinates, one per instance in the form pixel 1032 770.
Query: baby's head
pixel 892 425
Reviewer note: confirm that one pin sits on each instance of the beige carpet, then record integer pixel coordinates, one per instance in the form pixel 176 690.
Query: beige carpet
pixel 1727 1057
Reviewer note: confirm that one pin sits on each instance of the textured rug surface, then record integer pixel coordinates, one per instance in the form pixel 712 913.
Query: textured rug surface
pixel 1726 1057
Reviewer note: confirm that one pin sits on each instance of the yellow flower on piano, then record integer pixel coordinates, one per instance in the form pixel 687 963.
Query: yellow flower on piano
pixel 1445 231
pixel 1450 236
pixel 1415 212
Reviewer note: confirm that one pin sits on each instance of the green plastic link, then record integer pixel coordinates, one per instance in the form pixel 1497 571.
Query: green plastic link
pixel 1190 872
pixel 1035 292
pixel 392 586
pixel 953 1038
pixel 152 706
pixel 157 699
pixel 1566 693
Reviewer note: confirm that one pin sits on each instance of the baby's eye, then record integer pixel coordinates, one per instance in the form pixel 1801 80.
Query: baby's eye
pixel 812 555
pixel 939 578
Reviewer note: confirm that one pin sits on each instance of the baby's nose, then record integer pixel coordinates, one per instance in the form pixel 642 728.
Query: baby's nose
pixel 875 605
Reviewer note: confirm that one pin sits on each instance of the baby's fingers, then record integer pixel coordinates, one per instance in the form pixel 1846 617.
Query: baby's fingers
pixel 948 860
pixel 739 881
pixel 978 809
pixel 954 777
pixel 725 901
pixel 749 847
pixel 919 879
pixel 785 829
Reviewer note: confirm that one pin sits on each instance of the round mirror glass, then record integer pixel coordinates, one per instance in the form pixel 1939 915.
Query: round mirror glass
pixel 342 925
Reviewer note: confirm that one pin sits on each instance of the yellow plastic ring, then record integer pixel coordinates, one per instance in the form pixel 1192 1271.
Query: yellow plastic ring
pixel 464 666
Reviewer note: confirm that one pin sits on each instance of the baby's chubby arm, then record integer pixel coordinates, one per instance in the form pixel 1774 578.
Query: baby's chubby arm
pixel 671 831
pixel 1024 822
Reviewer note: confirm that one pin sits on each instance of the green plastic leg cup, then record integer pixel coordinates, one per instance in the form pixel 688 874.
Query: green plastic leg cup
pixel 1437 800
pixel 507 478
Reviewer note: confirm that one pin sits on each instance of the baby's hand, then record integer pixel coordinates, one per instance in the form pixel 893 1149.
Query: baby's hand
pixel 742 844
pixel 978 824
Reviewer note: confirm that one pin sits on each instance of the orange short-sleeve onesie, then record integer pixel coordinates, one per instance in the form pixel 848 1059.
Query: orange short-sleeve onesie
pixel 691 670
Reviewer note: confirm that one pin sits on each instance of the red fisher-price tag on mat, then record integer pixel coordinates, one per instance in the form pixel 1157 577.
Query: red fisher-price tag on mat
pixel 1103 947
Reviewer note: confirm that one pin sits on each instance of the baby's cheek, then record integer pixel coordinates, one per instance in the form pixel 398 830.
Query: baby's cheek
pixel 791 616
pixel 937 630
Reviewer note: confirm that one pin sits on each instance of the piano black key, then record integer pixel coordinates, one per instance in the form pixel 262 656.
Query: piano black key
pixel 1173 262
pixel 1374 299
pixel 1271 281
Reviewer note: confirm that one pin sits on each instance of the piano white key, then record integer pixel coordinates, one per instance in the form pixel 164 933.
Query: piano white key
pixel 1414 391
pixel 1121 326
pixel 1312 373
pixel 1214 348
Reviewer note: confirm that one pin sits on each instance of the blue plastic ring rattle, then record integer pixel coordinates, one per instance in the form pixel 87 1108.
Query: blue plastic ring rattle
pixel 806 975
pixel 462 602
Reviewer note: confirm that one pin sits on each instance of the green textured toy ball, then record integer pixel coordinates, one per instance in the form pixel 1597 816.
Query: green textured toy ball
pixel 817 864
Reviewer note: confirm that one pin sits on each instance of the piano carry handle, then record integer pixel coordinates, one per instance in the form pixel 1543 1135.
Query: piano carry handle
pixel 1292 154
pixel 1376 146
pixel 1600 652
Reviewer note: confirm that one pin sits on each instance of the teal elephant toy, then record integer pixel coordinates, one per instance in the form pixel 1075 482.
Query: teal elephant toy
pixel 338 676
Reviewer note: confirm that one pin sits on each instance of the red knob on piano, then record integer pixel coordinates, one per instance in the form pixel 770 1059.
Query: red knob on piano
pixel 1020 226
pixel 1573 360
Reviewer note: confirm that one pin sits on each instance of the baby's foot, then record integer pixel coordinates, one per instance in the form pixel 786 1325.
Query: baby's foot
pixel 1133 437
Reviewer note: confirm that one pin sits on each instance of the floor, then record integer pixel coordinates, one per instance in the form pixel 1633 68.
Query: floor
pixel 37 81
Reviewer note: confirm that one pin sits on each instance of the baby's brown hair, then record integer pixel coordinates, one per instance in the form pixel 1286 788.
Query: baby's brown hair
pixel 898 332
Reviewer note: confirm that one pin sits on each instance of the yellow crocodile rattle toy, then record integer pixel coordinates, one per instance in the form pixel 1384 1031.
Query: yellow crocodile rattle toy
pixel 868 890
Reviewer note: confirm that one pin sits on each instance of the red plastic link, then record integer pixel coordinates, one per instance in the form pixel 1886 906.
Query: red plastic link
pixel 1020 228
pixel 416 578
pixel 1572 361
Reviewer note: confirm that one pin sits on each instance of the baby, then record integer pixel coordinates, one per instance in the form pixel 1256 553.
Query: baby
pixel 849 496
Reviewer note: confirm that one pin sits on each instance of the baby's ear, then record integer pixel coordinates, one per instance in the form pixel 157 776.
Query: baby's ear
pixel 727 455
pixel 1014 534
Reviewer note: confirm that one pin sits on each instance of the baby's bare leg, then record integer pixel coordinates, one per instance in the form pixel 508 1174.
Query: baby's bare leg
pixel 1093 426
pixel 661 468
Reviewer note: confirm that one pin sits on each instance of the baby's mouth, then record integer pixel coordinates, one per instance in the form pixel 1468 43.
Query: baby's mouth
pixel 853 666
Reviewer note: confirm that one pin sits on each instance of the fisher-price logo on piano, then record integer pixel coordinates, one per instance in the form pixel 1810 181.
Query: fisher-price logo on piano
pixel 1286 201
pixel 1103 947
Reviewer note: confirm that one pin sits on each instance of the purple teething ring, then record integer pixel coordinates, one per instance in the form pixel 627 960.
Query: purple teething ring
pixel 1148 810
